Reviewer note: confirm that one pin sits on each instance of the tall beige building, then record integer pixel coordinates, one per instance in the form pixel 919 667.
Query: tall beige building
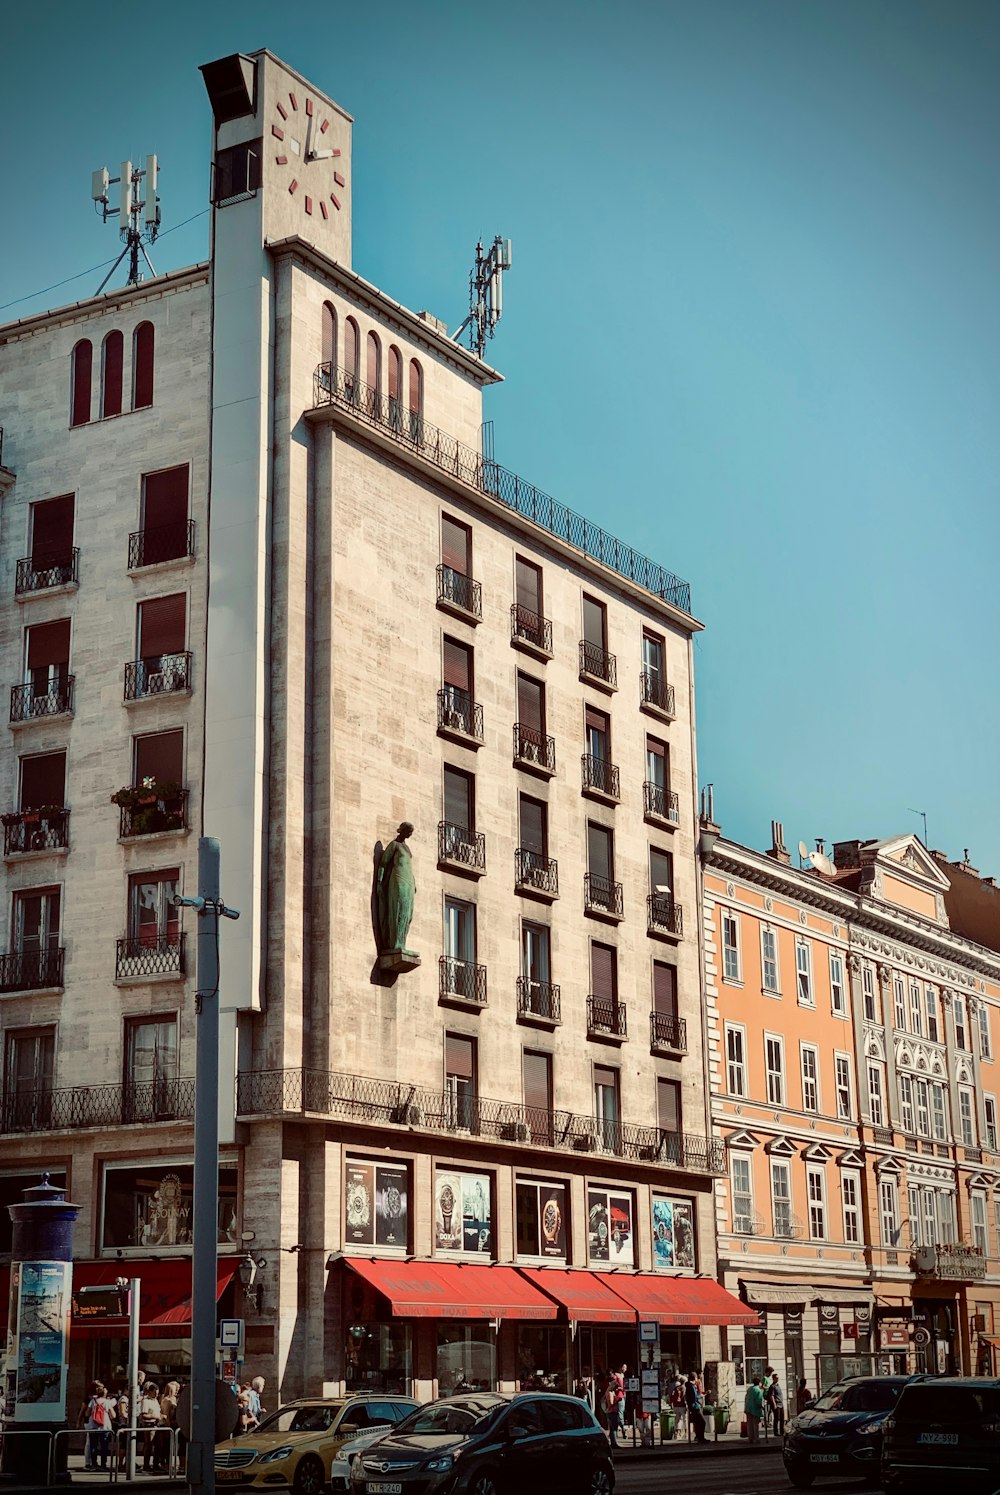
pixel 260 582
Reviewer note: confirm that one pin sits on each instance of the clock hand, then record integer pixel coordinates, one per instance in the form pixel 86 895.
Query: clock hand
pixel 310 154
pixel 321 155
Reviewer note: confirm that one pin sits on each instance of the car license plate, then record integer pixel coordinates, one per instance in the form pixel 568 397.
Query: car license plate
pixel 937 1437
pixel 230 1476
pixel 824 1458
pixel 383 1487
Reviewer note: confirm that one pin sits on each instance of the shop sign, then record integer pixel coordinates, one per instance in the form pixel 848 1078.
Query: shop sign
pixel 892 1337
pixel 673 1232
pixel 609 1227
pixel 462 1212
pixel 376 1203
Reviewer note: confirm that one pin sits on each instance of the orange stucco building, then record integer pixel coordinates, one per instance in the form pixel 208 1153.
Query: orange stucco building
pixel 854 1050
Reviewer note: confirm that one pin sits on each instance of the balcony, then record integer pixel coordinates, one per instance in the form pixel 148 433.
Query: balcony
pixel 92 1106
pixel 603 898
pixel 536 876
pixel 436 449
pixel 461 982
pixel 659 803
pixel 656 695
pixel 668 1033
pixel 461 850
pixel 459 594
pixel 161 543
pixel 40 573
pixel 31 970
pixel 29 704
pixel 538 1002
pixel 369 1102
pixel 954 1262
pixel 606 1019
pixel 142 956
pixel 530 631
pixel 153 814
pixel 598 667
pixel 534 751
pixel 746 1222
pixel 600 779
pixel 664 917
pixel 157 675
pixel 27 831
pixel 459 717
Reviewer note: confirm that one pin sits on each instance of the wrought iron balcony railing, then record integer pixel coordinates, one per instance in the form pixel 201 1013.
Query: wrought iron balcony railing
pixel 31 970
pixel 532 749
pixel 161 542
pixel 654 691
pixel 787 1226
pixel 368 1101
pixel 86 1106
pixel 539 999
pixel 335 386
pixel 140 956
pixel 607 1016
pixel 157 675
pixel 458 712
pixel 40 572
pixel 600 777
pixel 35 830
pixel 661 803
pixel 161 814
pixel 28 703
pixel 462 980
pixel 530 628
pixel 602 896
pixel 747 1222
pixel 454 589
pixel 663 915
pixel 462 847
pixel 535 873
pixel 668 1032
pixel 598 664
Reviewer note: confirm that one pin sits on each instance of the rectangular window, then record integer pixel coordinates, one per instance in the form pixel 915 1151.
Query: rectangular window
pixel 923 1109
pixel 533 829
pixel 159 756
pixel 657 764
pixel 458 681
pixel 803 971
pixel 607 1107
pixel 46 660
pixel 536 954
pixel 868 994
pixel 930 1227
pixel 781 1197
pixel 661 872
pixel 939 1115
pixel 990 1113
pixel 151 1068
pixel 598 734
pixel 932 1014
pixel 530 711
pixel 668 1108
pixel 459 799
pixel 838 997
pixel 456 546
pixel 459 933
pixel 536 1071
pixel 816 1193
pixel 899 1003
pixel 52 538
pixel 43 781
pixel 604 972
pixel 980 1236
pixel 774 1055
pixel 164 515
pixel 29 1064
pixel 875 1095
pixel 600 855
pixel 36 923
pixel 906 1102
pixel 965 1116
pixel 913 1209
pixel 161 627
pixel 731 946
pixel 888 1198
pixel 653 663
pixel 769 959
pixel 810 1078
pixel 736 1071
pixel 460 1080
pixel 842 1065
pixel 152 918
pixel 528 589
pixel 985 1050
pixel 595 625
pixel 237 171
pixel 916 1011
pixel 850 1193
pixel 743 1215
pixel 960 1033
pixel 664 989
pixel 946 1214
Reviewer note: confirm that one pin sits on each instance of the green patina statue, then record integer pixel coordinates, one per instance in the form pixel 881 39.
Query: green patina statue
pixel 396 890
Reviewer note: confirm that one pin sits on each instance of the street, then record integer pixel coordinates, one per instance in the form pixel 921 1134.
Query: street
pixel 758 1473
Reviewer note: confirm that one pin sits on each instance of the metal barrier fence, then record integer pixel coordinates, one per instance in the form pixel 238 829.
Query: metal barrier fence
pixel 76 1440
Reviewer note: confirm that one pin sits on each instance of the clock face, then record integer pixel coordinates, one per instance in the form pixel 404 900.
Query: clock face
pixel 301 136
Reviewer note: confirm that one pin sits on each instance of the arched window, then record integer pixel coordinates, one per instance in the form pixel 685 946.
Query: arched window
pixel 351 352
pixel 395 388
pixel 416 401
pixel 373 372
pixel 82 360
pixel 329 347
pixel 112 363
pixel 142 366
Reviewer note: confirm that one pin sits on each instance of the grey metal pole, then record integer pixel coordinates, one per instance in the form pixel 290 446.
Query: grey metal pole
pixel 201 1453
pixel 133 1373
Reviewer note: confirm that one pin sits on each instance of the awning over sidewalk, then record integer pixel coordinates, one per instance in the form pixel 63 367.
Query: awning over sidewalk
pixel 164 1295
pixel 586 1296
pixel 456 1290
pixel 686 1302
pixel 798 1294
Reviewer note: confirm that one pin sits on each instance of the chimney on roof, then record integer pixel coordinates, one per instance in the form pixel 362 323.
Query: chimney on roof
pixel 846 854
pixel 778 850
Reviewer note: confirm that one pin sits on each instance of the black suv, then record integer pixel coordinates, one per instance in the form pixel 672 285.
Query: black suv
pixel 944 1432
pixel 841 1433
pixel 482 1444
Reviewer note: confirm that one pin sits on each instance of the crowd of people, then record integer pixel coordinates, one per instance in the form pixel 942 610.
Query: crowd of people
pixel 105 1413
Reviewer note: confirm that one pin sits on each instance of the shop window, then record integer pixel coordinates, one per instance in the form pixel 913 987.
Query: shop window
pixel 13 1185
pixel 466 1358
pixel 610 1227
pixel 112 368
pixel 542 1219
pixel 142 366
pixel 377 1204
pixel 673 1233
pixel 463 1212
pixel 81 371
pixel 379 1358
pixel 543 1364
pixel 148 1207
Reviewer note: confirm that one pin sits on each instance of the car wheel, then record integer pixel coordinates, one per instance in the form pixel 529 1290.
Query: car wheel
pixel 309 1476
pixel 600 1481
pixel 484 1484
pixel 800 1478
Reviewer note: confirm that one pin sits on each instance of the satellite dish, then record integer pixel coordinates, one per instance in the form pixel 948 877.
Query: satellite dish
pixel 803 851
pixel 822 863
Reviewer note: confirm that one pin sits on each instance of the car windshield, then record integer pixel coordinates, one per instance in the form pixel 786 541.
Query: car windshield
pixel 314 1418
pixel 450 1419
pixel 859 1396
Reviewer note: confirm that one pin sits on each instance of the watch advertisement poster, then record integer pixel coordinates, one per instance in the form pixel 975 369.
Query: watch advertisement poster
pixel 673 1233
pixel 462 1212
pixel 376 1199
pixel 40 1341
pixel 609 1228
pixel 541 1219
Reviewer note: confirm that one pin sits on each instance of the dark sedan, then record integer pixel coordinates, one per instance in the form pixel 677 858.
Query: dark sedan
pixel 841 1433
pixel 484 1444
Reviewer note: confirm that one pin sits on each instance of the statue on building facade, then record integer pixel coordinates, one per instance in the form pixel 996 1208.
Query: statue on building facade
pixel 396 887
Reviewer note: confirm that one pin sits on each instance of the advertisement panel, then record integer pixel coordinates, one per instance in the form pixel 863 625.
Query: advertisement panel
pixel 462 1212
pixel 609 1228
pixel 37 1340
pixel 376 1203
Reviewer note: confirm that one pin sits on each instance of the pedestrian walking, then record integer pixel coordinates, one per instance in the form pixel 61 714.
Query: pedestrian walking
pixel 614 1396
pixel 776 1402
pixel 803 1396
pixel 693 1400
pixel 753 1407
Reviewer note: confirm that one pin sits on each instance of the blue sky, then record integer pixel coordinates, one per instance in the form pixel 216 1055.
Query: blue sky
pixel 752 325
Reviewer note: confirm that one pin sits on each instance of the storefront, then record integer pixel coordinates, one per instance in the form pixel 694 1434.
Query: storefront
pixel 818 1332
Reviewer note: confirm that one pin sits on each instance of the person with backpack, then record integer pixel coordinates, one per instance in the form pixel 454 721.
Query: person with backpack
pixel 614 1396
pixel 97 1416
pixel 693 1401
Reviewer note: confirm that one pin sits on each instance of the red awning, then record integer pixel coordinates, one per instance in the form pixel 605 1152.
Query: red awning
pixel 585 1296
pixel 457 1290
pixel 683 1301
pixel 164 1295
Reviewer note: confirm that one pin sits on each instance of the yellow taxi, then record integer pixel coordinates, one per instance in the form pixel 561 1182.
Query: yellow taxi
pixel 293 1448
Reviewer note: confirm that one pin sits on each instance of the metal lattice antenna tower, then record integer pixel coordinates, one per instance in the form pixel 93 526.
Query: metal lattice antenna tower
pixel 138 215
pixel 486 293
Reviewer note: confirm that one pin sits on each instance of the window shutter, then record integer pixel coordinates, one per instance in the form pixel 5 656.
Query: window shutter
pixel 457 666
pixel 162 625
pixel 593 622
pixel 82 367
pixel 142 366
pixel 112 364
pixel 602 972
pixel 668 1105
pixel 48 643
pixel 537 1081
pixel 533 826
pixel 455 545
pixel 664 989
pixel 52 532
pixel 165 497
pixel 459 1054
pixel 528 586
pixel 529 704
pixel 161 756
pixel 599 854
pixel 457 798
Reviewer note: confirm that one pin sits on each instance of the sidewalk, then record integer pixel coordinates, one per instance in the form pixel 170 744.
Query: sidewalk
pixel 726 1443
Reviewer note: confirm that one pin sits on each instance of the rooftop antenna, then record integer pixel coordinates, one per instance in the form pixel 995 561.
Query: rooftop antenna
pixel 923 816
pixel 486 293
pixel 138 215
pixel 817 859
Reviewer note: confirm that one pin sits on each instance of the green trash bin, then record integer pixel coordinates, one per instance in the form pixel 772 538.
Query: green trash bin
pixel 721 1419
pixel 668 1425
